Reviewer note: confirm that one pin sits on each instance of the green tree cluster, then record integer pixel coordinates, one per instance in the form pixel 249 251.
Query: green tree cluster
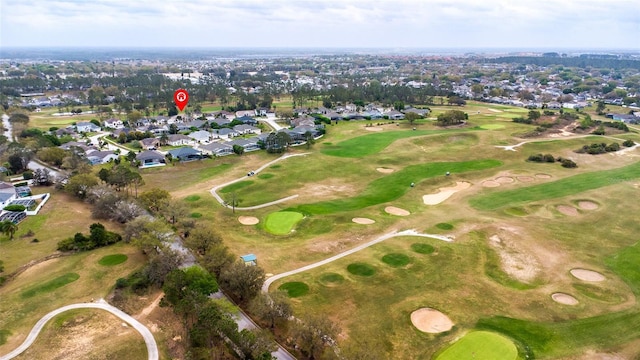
pixel 98 237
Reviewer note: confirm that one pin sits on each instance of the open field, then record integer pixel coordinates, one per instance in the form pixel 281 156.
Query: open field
pixel 513 244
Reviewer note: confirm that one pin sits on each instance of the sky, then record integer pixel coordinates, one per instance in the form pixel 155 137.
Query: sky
pixel 522 24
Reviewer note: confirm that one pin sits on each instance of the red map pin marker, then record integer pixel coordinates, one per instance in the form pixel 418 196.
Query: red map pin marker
pixel 181 97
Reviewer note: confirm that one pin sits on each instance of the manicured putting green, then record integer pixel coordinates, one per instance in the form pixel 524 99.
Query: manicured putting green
pixel 295 288
pixel 361 269
pixel 113 259
pixel 330 279
pixel 235 186
pixel 50 285
pixel 282 222
pixel 444 226
pixel 192 198
pixel 265 176
pixel 481 345
pixel 492 126
pixel 421 248
pixel 396 259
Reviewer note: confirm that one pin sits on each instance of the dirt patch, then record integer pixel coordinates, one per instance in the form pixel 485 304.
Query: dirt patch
pixel 515 262
pixel 495 110
pixel 543 176
pixel 373 128
pixel 328 189
pixel 587 205
pixel 568 210
pixel 525 178
pixel 565 299
pixel 431 321
pixel 444 193
pixel 396 211
pixel 490 184
pixel 248 220
pixel 505 179
pixel 385 170
pixel 587 275
pixel 363 221
pixel 149 308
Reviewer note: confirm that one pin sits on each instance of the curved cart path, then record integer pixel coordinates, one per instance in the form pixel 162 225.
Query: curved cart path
pixel 513 147
pixel 214 190
pixel 152 347
pixel 269 281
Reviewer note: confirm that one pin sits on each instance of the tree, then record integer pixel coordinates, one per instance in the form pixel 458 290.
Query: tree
pixel 533 115
pixel 19 118
pixel 52 155
pixel 411 117
pixel 202 238
pixel 451 117
pixel 155 199
pixel 477 89
pixel 244 282
pixel 79 185
pixel 456 100
pixel 600 107
pixel 313 333
pixel 271 307
pixel 8 228
pixel 217 258
pixel 42 177
pixel 309 139
pixel 238 149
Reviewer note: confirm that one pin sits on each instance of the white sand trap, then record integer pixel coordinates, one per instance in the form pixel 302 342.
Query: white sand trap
pixel 505 179
pixel 568 210
pixel 363 221
pixel 495 110
pixel 445 193
pixel 587 205
pixel 564 299
pixel 525 178
pixel 268 274
pixel 490 184
pixel 587 275
pixel 396 211
pixel 373 128
pixel 543 176
pixel 248 220
pixel 431 321
pixel 385 170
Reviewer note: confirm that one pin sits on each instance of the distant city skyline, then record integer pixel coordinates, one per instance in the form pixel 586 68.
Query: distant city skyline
pixel 445 24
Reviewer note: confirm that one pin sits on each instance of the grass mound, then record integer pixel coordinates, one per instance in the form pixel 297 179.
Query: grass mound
pixel 50 285
pixel 481 345
pixel 196 215
pixel 192 198
pixel 598 293
pixel 444 226
pixel 113 259
pixel 396 259
pixel 422 248
pixel 265 176
pixel 235 186
pixel 361 269
pixel 282 222
pixel 330 279
pixel 295 288
pixel 4 334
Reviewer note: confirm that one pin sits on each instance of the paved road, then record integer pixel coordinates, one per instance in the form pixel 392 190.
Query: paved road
pixel 214 190
pixel 152 347
pixel 269 281
pixel 272 122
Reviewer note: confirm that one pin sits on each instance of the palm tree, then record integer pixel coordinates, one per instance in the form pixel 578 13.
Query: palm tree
pixel 9 228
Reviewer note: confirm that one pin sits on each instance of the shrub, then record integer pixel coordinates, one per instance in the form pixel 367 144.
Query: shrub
pixel 14 207
pixel 628 143
pixel 521 120
pixel 612 147
pixel 549 158
pixel 568 163
pixel 536 158
pixel 27 175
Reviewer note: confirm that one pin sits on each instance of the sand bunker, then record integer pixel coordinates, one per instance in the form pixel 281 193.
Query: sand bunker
pixel 505 179
pixel 363 221
pixel 525 178
pixel 568 210
pixel 445 193
pixel 385 170
pixel 543 176
pixel 564 299
pixel 396 211
pixel 587 275
pixel 494 110
pixel 248 220
pixel 490 184
pixel 373 128
pixel 431 321
pixel 587 205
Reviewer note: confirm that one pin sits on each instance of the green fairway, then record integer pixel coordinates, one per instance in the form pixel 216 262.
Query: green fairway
pixel 295 288
pixel 568 186
pixel 235 186
pixel 481 345
pixel 395 185
pixel 372 143
pixel 282 222
pixel 113 259
pixel 50 285
pixel 492 126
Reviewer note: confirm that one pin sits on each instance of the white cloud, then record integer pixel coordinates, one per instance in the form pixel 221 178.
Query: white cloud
pixel 346 23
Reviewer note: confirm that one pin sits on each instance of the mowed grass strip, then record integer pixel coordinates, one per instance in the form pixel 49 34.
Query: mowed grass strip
pixel 235 186
pixel 50 285
pixel 282 222
pixel 393 186
pixel 113 259
pixel 295 288
pixel 372 143
pixel 559 188
pixel 481 345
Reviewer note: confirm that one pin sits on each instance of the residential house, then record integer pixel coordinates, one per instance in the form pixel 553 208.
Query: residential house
pixel 7 194
pixel 185 154
pixel 226 133
pixel 150 158
pixel 303 121
pixel 101 157
pixel 179 140
pixel 221 121
pixel 76 144
pixel 351 107
pixel 421 112
pixel 201 136
pixel 113 124
pixel 248 120
pixel 85 126
pixel 150 143
pixel 247 144
pixel 371 114
pixel 261 111
pixel 217 149
pixel 394 115
pixel 246 129
pixel 247 113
